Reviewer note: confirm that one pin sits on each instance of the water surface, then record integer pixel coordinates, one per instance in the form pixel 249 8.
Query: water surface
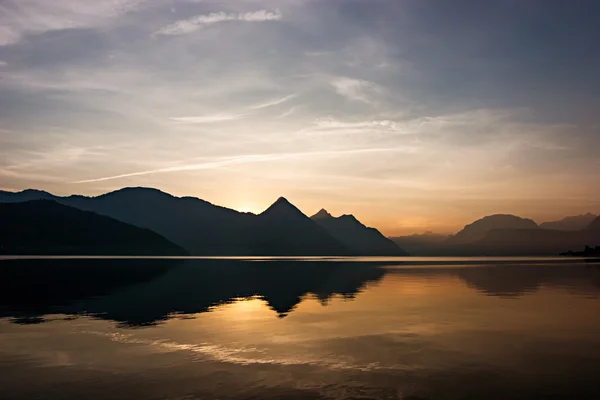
pixel 311 328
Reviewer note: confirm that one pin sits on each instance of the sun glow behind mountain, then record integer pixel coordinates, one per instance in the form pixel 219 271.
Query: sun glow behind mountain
pixel 249 206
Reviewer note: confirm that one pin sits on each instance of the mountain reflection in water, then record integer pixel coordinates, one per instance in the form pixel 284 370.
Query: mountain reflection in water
pixel 165 329
pixel 143 292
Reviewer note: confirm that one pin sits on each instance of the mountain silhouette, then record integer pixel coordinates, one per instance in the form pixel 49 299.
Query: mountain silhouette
pixel 356 236
pixel 573 223
pixel 203 228
pixel 594 226
pixel 196 225
pixel 534 241
pixel 283 229
pixel 49 228
pixel 503 235
pixel 479 229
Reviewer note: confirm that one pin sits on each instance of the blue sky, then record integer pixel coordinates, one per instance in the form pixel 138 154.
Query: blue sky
pixel 413 115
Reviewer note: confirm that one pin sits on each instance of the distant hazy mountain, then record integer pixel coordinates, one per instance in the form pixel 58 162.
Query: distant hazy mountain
pixel 354 235
pixel 505 235
pixel 204 228
pixel 518 237
pixel 49 228
pixel 479 229
pixel 284 229
pixel 594 225
pixel 419 243
pixel 574 223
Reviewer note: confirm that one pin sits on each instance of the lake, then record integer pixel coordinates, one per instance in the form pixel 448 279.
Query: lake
pixel 299 328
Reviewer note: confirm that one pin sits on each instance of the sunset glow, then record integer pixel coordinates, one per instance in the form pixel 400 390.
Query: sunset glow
pixel 384 109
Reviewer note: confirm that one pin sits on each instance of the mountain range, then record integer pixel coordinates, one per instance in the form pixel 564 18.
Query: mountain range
pixel 573 223
pixel 198 227
pixel 509 235
pixel 202 228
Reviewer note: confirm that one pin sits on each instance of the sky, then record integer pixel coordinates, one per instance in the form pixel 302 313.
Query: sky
pixel 413 115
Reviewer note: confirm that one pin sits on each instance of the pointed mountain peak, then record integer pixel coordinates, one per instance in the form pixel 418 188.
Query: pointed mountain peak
pixel 322 214
pixel 282 200
pixel 281 205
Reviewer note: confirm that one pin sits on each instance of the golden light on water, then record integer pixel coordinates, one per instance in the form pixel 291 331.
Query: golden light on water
pixel 242 309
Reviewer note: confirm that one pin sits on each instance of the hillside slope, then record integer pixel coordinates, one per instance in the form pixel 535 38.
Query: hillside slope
pixel 49 228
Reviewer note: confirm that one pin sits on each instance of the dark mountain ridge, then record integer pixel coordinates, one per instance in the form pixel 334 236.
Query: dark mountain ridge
pixel 283 229
pixel 572 223
pixel 594 225
pixel 355 235
pixel 204 228
pixel 46 227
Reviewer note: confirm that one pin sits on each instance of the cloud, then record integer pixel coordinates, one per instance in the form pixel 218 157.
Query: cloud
pixel 204 119
pixel 287 113
pixel 222 117
pixel 259 16
pixel 356 89
pixel 332 123
pixel 3 63
pixel 8 35
pixel 272 103
pixel 193 24
pixel 246 160
pixel 21 17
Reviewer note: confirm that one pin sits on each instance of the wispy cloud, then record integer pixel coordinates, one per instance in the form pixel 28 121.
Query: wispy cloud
pixel 207 119
pixel 222 117
pixel 272 103
pixel 333 123
pixel 288 112
pixel 357 89
pixel 193 24
pixel 19 18
pixel 245 160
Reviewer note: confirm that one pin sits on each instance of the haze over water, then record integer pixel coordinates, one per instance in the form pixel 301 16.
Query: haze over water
pixel 315 328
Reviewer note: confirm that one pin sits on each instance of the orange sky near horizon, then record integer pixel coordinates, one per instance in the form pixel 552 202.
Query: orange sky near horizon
pixel 392 215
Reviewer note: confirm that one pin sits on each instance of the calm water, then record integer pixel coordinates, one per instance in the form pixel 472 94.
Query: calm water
pixel 299 329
